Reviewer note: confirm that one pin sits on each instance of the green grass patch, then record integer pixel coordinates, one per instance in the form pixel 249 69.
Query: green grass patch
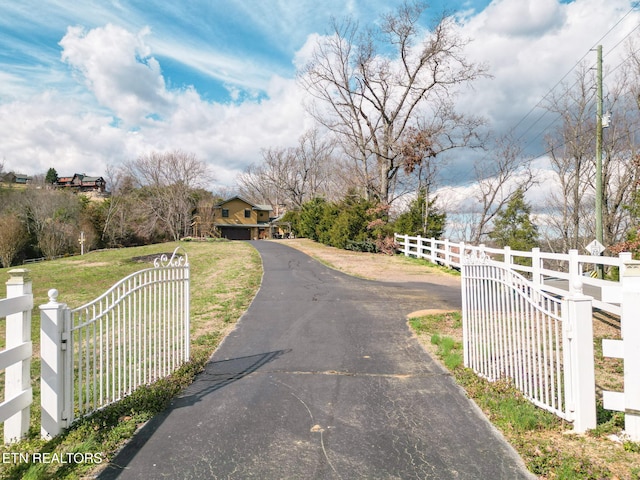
pixel 225 277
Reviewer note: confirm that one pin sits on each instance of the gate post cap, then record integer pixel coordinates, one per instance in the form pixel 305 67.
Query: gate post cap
pixel 577 285
pixel 53 295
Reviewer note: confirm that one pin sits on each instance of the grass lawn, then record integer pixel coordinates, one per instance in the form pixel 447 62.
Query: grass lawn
pixel 225 277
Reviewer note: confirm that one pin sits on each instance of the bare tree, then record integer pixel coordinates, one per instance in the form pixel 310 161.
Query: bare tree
pixel 571 152
pixel 499 177
pixel 291 176
pixel 275 181
pixel 112 206
pixel 13 236
pixel 369 99
pixel 205 219
pixel 620 174
pixel 53 217
pixel 166 183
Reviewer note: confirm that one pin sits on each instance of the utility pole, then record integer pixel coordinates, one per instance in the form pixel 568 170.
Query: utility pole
pixel 599 229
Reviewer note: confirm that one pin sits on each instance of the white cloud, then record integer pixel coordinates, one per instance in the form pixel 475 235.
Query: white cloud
pixel 120 86
pixel 118 68
pixel 520 18
pixel 50 131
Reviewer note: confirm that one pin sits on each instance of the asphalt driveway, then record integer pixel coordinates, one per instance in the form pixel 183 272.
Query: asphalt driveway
pixel 322 379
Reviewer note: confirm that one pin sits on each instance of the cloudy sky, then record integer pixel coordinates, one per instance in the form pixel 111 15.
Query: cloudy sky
pixel 84 85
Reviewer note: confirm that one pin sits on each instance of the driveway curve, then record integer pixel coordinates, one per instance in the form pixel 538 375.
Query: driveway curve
pixel 322 379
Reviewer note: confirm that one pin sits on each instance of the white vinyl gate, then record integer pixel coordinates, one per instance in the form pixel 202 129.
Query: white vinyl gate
pixel 132 335
pixel 511 329
pixel 135 333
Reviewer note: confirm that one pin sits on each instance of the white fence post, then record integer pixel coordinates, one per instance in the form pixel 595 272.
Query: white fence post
pixel 52 380
pixel 187 314
pixel 405 244
pixel 18 375
pixel 580 383
pixel 446 261
pixel 630 343
pixel 574 271
pixel 508 258
pixel 625 257
pixel 536 267
pixel 461 253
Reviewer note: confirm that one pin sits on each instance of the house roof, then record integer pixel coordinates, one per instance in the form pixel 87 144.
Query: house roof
pixel 253 205
pixel 11 176
pixel 81 176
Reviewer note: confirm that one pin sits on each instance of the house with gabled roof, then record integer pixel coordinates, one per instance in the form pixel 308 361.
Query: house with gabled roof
pixel 240 219
pixel 82 183
pixel 19 178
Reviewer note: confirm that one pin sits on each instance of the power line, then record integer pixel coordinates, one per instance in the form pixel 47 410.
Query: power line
pixel 530 112
pixel 633 8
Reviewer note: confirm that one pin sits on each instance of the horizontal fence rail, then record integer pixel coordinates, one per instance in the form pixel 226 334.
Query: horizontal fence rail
pixel 553 272
pixel 134 334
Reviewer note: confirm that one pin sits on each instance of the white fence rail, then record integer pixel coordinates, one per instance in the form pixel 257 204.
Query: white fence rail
pixel 627 348
pixel 91 356
pixel 15 360
pixel 553 272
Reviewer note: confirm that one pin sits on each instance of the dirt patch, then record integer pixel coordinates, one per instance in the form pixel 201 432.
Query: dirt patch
pixel 151 258
pixel 424 313
pixel 87 265
pixel 373 266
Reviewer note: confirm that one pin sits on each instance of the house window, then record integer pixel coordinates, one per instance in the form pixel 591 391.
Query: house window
pixel 225 213
pixel 247 213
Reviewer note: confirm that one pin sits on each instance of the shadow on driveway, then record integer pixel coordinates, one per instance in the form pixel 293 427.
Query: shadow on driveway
pixel 216 375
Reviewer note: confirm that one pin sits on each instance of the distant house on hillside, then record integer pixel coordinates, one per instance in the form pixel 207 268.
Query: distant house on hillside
pixel 82 183
pixel 18 178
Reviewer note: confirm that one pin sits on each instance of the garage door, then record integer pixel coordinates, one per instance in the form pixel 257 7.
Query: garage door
pixel 235 233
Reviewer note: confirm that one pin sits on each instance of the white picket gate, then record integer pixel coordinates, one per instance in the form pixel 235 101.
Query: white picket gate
pixel 132 335
pixel 512 329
